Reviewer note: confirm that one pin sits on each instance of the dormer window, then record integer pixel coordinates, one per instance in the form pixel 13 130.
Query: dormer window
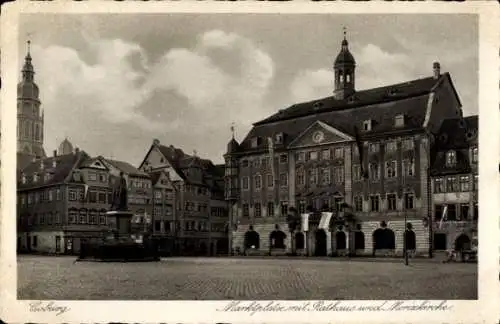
pixel 317 105
pixel 35 177
pixel 54 164
pixel 392 92
pixel 278 138
pixel 367 125
pixel 255 142
pixel 23 179
pixel 451 158
pixel 399 120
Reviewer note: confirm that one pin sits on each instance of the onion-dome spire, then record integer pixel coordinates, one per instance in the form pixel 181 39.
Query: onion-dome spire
pixel 345 57
pixel 344 68
pixel 28 70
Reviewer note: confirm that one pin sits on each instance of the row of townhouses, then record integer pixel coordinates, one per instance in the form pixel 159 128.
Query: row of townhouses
pixel 63 197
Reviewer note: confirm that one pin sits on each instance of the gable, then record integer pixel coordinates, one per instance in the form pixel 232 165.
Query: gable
pixel 157 161
pixel 98 165
pixel 164 181
pixel 320 133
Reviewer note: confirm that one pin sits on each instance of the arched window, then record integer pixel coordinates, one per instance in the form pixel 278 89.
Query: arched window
pixel 27 129
pixel 384 239
pixel 252 239
pixel 348 78
pixel 341 77
pixel 37 132
pixel 277 239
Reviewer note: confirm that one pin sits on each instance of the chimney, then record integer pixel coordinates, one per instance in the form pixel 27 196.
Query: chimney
pixel 436 67
pixel 54 153
pixel 156 141
pixel 41 164
pixel 54 163
pixel 77 150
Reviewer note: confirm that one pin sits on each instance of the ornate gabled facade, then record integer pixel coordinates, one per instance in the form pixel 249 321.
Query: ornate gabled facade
pixel 201 219
pixel 30 116
pixel 364 153
pixel 455 184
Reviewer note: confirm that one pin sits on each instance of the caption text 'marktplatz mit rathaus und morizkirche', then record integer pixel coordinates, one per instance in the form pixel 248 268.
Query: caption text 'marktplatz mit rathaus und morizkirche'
pixel 359 163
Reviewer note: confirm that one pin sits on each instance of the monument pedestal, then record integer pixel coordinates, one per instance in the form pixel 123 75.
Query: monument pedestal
pixel 119 247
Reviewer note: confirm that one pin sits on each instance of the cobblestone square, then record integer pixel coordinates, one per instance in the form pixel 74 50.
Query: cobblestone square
pixel 60 278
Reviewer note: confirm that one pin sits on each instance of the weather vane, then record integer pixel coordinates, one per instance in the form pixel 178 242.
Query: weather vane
pixel 345 31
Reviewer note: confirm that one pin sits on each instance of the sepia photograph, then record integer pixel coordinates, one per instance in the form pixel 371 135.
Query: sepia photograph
pixel 263 156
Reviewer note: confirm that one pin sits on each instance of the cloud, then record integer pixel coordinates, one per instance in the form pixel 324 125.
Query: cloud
pixel 224 74
pixel 375 68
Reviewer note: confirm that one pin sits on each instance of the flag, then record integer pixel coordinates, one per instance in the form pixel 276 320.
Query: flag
pixel 85 191
pixel 444 216
pixel 324 222
pixel 359 144
pixel 305 221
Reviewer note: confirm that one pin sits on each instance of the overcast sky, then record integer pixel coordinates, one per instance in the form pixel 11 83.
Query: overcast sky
pixel 113 83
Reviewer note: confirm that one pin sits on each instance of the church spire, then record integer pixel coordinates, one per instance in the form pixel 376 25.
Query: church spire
pixel 344 68
pixel 28 71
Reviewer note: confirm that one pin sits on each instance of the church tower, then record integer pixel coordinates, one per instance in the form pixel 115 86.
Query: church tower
pixel 29 115
pixel 344 67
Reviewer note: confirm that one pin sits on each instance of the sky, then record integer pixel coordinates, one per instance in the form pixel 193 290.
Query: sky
pixel 113 83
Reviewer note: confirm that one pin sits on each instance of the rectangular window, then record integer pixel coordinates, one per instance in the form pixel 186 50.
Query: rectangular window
pixel 283 158
pixel 464 183
pixel 256 163
pixel 391 169
pixel 409 201
pixel 464 212
pixel 356 173
pixel 338 153
pixel 391 146
pixel 245 183
pixel 93 197
pixel 263 162
pixel 270 181
pixel 325 176
pixel 313 176
pixel 358 203
pixel 391 201
pixel 452 184
pixel 57 217
pixel 301 178
pixel 42 218
pixel 270 209
pixel 283 179
pixel 373 148
pixel 72 195
pixel 92 176
pixel 338 174
pixel 284 208
pixel 337 203
pixel 451 158
pixel 408 145
pixel 246 210
pixel 258 210
pixel 475 155
pixel 301 156
pixel 51 195
pixel 302 206
pixel 258 182
pixel 452 212
pixel 409 168
pixel 374 203
pixel 439 185
pixel 313 155
pixel 244 164
pixel 325 154
pixel 103 178
pixel 58 194
pixel 374 171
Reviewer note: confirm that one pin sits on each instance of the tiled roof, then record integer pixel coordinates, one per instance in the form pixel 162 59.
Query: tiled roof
pixel 381 105
pixel 456 134
pixel 64 164
pixel 127 168
pixel 181 162
pixel 23 159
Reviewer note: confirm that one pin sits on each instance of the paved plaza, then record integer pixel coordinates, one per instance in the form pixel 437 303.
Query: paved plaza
pixel 41 277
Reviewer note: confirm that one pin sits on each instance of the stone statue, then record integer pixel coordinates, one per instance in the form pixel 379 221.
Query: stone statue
pixel 119 200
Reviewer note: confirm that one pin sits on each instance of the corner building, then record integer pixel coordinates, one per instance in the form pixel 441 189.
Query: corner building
pixel 366 154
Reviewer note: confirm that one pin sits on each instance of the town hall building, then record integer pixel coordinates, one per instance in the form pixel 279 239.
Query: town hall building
pixel 340 175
